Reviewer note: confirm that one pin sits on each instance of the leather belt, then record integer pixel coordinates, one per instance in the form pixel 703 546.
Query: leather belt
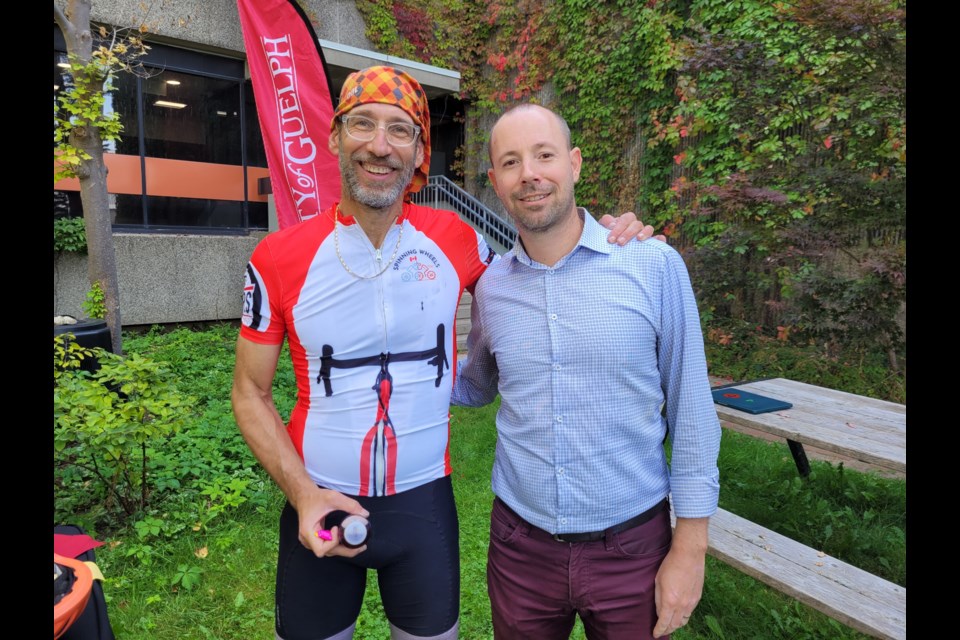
pixel 635 521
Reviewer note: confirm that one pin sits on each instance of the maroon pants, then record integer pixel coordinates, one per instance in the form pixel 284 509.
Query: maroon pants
pixel 537 585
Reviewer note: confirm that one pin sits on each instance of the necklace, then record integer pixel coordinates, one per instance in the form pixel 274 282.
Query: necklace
pixel 336 246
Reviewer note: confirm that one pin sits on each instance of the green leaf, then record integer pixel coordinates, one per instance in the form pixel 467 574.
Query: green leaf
pixel 714 625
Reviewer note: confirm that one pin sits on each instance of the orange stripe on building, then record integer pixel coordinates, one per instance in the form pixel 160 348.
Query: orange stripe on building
pixel 176 178
pixel 123 175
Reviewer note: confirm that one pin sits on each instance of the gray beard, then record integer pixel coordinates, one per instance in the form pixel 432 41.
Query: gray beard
pixel 374 198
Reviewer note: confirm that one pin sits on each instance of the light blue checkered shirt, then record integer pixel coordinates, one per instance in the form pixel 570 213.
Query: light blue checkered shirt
pixel 584 354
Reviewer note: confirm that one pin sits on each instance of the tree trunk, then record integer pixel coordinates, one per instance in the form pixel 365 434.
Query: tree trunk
pixel 101 257
pixel 92 173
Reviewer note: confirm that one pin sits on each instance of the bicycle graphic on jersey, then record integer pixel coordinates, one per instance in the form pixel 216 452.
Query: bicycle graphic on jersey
pixel 418 271
pixel 379 451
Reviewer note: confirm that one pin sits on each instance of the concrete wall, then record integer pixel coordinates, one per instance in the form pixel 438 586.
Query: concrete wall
pixel 164 278
pixel 216 24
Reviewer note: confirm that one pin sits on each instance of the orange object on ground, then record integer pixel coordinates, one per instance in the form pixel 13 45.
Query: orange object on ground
pixel 66 612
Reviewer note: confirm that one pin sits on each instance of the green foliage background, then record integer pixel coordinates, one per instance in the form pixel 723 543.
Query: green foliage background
pixel 68 235
pixel 768 139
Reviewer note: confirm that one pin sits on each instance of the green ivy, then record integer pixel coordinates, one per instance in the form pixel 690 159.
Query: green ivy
pixel 95 304
pixel 69 235
pixel 382 27
pixel 765 138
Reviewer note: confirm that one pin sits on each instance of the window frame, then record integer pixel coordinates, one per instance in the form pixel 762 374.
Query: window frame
pixel 206 64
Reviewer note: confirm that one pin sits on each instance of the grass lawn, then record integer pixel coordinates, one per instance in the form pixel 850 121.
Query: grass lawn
pixel 215 580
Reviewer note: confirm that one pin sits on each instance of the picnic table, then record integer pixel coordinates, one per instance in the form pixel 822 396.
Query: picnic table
pixel 872 431
pixel 865 429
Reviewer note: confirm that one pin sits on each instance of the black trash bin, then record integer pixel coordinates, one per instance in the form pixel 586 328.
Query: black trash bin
pixel 89 334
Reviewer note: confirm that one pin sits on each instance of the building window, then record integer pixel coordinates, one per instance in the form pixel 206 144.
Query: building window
pixel 190 153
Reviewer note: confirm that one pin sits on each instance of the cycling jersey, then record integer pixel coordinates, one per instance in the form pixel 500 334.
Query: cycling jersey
pixel 372 354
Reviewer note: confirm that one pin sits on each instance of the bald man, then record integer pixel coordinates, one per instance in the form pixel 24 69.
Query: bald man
pixel 597 354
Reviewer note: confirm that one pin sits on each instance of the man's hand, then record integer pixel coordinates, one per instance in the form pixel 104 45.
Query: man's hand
pixel 626 227
pixel 312 509
pixel 679 582
pixel 265 433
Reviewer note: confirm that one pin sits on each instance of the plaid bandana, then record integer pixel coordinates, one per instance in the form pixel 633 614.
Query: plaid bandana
pixel 387 85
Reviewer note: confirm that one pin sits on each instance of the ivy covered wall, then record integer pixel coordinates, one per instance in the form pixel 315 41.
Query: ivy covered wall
pixel 768 139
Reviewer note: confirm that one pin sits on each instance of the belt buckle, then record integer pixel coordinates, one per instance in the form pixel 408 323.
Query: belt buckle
pixel 558 537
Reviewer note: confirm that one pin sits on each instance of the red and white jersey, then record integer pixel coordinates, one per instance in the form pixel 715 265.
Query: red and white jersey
pixel 375 357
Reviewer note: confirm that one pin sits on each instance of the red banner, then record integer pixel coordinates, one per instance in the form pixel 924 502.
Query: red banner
pixel 295 107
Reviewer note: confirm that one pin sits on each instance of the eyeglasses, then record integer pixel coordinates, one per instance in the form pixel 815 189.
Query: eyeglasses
pixel 399 134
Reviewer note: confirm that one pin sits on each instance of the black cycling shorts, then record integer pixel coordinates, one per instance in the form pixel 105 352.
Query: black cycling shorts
pixel 414 546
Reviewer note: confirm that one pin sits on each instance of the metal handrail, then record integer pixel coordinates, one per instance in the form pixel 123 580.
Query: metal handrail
pixel 499 231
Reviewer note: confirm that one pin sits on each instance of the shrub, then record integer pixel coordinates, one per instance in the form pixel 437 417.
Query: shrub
pixel 69 235
pixel 105 424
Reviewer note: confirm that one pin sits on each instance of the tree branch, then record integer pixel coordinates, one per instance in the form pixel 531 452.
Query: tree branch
pixel 65 25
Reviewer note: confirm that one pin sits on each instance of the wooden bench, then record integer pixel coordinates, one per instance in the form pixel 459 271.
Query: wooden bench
pixel 852 596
